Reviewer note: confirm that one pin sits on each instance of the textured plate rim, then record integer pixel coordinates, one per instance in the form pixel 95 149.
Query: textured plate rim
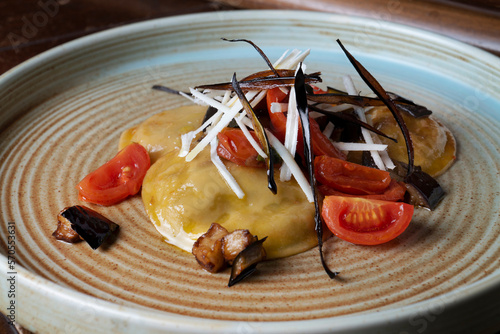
pixel 164 321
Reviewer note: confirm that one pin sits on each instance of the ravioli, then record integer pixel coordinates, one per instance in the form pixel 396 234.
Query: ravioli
pixel 433 143
pixel 182 199
pixel 161 133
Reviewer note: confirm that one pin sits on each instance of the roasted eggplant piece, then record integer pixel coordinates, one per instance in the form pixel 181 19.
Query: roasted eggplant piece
pixel 87 224
pixel 246 262
pixel 208 249
pixel 423 189
pixel 235 242
pixel 64 231
pixel 217 248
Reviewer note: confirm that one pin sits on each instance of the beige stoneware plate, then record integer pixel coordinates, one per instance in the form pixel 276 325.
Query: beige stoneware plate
pixel 61 116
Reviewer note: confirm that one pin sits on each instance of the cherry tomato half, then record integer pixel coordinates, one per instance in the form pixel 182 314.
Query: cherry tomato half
pixel 320 143
pixel 349 177
pixel 117 179
pixel 235 147
pixel 395 192
pixel 365 221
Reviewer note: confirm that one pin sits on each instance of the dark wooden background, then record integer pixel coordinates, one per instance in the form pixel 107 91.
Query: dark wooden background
pixel 29 27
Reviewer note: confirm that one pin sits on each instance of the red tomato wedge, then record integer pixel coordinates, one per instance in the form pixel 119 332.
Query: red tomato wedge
pixel 321 144
pixel 235 147
pixel 278 120
pixel 117 179
pixel 365 221
pixel 395 192
pixel 349 177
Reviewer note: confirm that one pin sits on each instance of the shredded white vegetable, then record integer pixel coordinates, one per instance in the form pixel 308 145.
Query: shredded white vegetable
pixel 187 138
pixel 277 107
pixel 329 129
pixel 235 187
pixel 280 59
pixel 315 114
pixel 227 97
pixel 249 137
pixel 340 107
pixel 229 114
pixel 349 86
pixel 359 146
pixel 292 129
pixel 293 59
pixel 294 168
pixel 228 108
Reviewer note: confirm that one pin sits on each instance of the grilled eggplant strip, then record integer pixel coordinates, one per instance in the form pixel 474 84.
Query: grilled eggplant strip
pixel 169 90
pixel 261 134
pixel 259 50
pixel 382 95
pixel 301 97
pixel 403 103
pixel 262 83
pixel 357 100
pixel 350 119
pixel 271 74
pixel 408 106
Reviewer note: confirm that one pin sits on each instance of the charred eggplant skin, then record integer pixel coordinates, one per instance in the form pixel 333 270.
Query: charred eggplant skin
pixel 425 189
pixel 246 261
pixel 90 225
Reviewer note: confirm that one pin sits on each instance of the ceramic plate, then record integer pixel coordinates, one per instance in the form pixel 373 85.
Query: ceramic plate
pixel 62 113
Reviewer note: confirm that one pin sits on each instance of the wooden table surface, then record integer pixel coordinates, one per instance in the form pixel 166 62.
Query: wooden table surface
pixel 29 27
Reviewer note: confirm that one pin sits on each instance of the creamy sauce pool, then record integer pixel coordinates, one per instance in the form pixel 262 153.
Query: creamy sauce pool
pixel 183 199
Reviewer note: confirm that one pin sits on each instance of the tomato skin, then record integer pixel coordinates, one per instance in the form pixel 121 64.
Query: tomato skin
pixel 349 177
pixel 278 120
pixel 235 147
pixel 365 221
pixel 321 144
pixel 117 179
pixel 395 192
pixel 275 95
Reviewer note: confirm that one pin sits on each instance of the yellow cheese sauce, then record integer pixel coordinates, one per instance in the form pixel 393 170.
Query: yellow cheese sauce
pixel 183 199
